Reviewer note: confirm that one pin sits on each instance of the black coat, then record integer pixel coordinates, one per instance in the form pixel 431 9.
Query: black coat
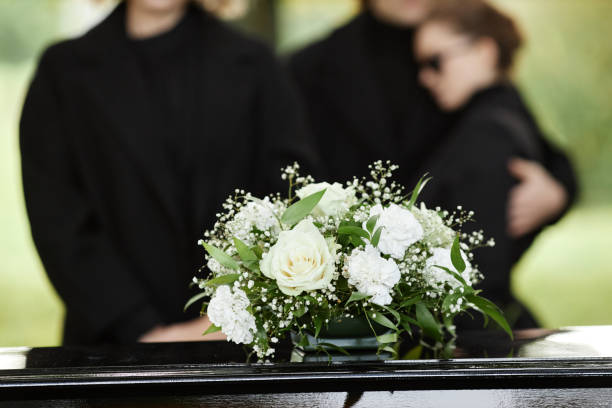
pixel 117 244
pixel 338 80
pixel 346 84
pixel 471 169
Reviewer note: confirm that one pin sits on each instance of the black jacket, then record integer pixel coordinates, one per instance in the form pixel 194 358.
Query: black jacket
pixel 470 169
pixel 347 82
pixel 117 244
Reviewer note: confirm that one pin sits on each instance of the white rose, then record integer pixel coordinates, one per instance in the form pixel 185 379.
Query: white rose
pixel 437 277
pixel 335 201
pixel 300 260
pixel 372 274
pixel 400 229
pixel 228 311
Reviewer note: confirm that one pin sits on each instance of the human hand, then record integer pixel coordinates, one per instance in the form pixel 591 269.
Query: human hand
pixel 185 331
pixel 537 199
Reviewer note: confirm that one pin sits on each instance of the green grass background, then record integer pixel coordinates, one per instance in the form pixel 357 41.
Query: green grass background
pixel 566 276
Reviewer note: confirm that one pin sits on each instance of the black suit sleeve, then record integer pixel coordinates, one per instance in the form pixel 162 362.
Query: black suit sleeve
pixel 471 171
pixel 282 130
pixel 88 271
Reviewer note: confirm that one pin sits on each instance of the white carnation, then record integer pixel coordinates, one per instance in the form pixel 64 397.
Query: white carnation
pixel 435 232
pixel 259 214
pixel 335 201
pixel 372 274
pixel 400 229
pixel 228 311
pixel 437 277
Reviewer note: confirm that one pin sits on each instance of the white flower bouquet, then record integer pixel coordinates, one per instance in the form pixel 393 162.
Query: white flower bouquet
pixel 326 252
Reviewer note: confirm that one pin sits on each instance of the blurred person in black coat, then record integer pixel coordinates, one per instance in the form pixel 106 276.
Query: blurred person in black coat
pixel 364 102
pixel 466 49
pixel 131 138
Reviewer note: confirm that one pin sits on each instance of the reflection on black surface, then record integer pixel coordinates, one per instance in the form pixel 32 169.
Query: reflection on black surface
pixel 595 341
pixel 532 398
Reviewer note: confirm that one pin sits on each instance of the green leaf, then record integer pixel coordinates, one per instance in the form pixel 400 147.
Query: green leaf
pixel 244 252
pixel 223 280
pixel 454 274
pixel 334 347
pixel 456 257
pixel 355 296
pixel 410 302
pixel 490 309
pixel 406 321
pixel 382 320
pixel 349 223
pixel 357 241
pixel 355 231
pixel 450 300
pixel 376 238
pixel 193 300
pixel 372 223
pixel 342 284
pixel 223 258
pixel 301 311
pixel 211 329
pixel 318 321
pixel 417 190
pixel 252 265
pixel 304 341
pixel 427 322
pixel 258 251
pixel 390 350
pixel 387 338
pixel 414 353
pixel 395 314
pixel 297 211
pixel 448 351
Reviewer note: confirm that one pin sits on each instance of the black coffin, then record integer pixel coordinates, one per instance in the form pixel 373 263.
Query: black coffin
pixel 540 368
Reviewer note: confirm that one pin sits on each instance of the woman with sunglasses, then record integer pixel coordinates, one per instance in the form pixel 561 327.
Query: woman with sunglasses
pixel 465 50
pixel 363 101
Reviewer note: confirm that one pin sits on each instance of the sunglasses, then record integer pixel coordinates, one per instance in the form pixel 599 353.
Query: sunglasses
pixel 434 61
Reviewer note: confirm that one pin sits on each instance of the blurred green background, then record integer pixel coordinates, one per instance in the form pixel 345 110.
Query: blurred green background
pixel 566 276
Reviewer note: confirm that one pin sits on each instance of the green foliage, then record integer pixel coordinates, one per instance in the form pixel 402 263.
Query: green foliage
pixel 428 323
pixel 417 190
pixel 223 258
pixel 211 329
pixel 297 211
pixel 382 320
pixel 356 231
pixel 387 338
pixel 194 299
pixel 376 237
pixel 244 252
pixel 356 296
pixel 456 257
pixel 223 280
pixel 490 309
pixel 371 224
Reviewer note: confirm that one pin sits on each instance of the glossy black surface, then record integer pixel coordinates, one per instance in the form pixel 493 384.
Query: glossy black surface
pixel 198 374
